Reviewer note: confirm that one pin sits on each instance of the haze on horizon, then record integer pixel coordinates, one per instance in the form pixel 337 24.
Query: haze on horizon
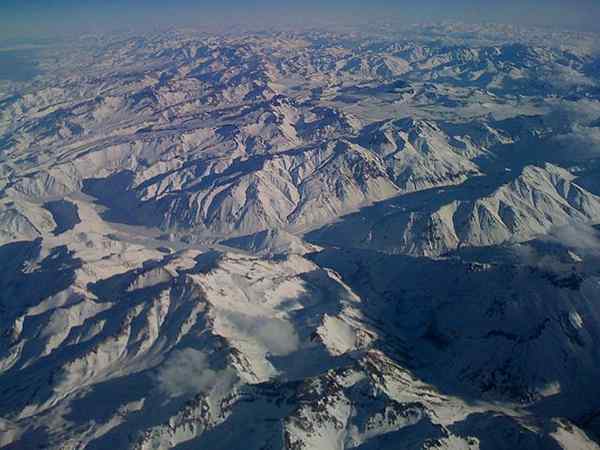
pixel 38 18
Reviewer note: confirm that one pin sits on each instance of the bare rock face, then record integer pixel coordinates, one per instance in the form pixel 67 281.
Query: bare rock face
pixel 308 240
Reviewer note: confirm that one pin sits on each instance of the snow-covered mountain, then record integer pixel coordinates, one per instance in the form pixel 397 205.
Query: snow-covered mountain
pixel 371 239
pixel 440 220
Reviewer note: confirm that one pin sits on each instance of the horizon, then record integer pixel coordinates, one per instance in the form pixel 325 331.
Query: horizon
pixel 49 19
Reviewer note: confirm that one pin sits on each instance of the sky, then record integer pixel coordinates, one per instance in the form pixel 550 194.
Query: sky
pixel 38 18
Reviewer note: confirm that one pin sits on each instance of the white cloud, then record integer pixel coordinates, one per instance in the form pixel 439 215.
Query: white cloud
pixel 575 122
pixel 567 112
pixel 187 372
pixel 580 242
pixel 278 336
pixel 565 77
pixel 576 236
pixel 581 143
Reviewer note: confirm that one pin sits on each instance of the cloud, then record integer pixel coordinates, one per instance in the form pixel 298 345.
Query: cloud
pixel 564 77
pixel 188 372
pixel 580 237
pixel 576 242
pixel 278 336
pixel 581 143
pixel 566 113
pixel 590 288
pixel 577 128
